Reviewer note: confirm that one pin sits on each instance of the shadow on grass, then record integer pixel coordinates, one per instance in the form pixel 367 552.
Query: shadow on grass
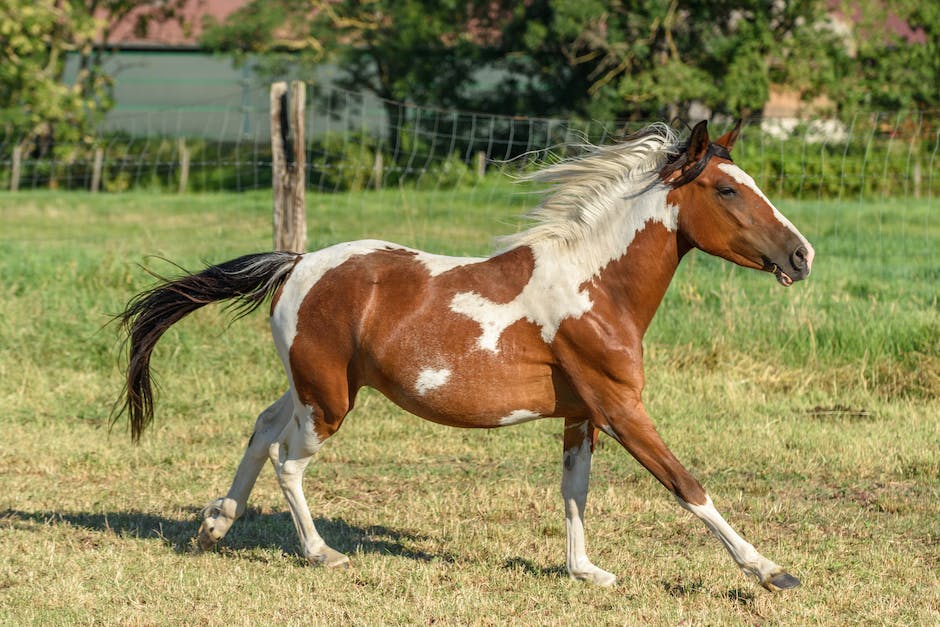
pixel 681 589
pixel 253 531
pixel 534 570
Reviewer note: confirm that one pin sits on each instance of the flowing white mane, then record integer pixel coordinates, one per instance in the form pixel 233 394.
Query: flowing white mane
pixel 587 189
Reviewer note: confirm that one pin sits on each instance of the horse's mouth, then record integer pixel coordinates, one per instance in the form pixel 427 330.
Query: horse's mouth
pixel 782 277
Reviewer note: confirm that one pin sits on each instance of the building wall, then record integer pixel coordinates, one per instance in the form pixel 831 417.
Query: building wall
pixel 198 94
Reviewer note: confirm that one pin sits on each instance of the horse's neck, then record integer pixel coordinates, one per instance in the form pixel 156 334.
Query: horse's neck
pixel 629 261
pixel 636 282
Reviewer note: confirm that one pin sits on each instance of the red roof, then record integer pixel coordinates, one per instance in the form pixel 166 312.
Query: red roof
pixel 181 31
pixel 893 24
pixel 185 29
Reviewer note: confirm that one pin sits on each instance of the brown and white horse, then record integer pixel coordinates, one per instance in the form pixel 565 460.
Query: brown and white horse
pixel 550 327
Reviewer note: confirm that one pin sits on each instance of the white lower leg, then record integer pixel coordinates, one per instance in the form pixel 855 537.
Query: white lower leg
pixel 219 515
pixel 575 474
pixel 769 574
pixel 290 456
pixel 290 474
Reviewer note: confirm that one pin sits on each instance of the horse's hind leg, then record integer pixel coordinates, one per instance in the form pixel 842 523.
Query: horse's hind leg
pixel 219 515
pixel 297 444
pixel 579 441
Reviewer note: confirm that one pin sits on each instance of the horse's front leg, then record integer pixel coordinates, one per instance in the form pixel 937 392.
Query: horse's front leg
pixel 631 426
pixel 579 441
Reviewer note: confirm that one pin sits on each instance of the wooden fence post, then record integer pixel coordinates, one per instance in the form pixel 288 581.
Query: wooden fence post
pixel 480 164
pixel 96 169
pixel 378 170
pixel 15 171
pixel 288 163
pixel 184 164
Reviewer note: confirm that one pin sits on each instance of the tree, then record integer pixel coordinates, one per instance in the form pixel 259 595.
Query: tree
pixel 401 50
pixel 610 59
pixel 38 106
pixel 892 60
pixel 599 59
pixel 35 103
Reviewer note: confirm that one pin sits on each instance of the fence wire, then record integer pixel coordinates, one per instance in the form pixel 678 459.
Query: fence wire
pixel 867 172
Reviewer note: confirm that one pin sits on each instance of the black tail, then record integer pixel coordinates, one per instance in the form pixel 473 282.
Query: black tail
pixel 249 280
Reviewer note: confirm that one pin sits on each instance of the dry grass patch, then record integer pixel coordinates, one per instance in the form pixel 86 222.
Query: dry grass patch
pixel 810 414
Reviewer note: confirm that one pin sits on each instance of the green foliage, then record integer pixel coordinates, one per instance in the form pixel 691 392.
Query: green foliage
pixel 888 71
pixel 48 114
pixel 447 174
pixel 658 58
pixel 342 162
pixel 601 59
pixel 35 103
pixel 412 49
pixel 336 162
pixel 883 158
pixel 870 165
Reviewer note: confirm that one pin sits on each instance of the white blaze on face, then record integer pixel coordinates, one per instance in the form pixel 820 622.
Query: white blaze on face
pixel 431 379
pixel 745 179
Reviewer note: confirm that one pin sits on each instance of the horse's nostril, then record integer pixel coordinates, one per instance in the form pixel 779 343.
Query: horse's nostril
pixel 798 258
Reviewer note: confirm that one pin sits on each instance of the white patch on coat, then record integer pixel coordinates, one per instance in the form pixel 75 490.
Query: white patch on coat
pixel 745 179
pixel 439 264
pixel 312 266
pixel 306 273
pixel 599 201
pixel 518 416
pixel 431 379
pixel 556 290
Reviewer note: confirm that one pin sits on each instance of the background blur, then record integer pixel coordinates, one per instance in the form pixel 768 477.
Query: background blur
pixel 840 98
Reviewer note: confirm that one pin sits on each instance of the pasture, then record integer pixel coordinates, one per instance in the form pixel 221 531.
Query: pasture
pixel 810 414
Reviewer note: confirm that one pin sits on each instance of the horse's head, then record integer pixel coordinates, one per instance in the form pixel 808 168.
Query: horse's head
pixel 724 213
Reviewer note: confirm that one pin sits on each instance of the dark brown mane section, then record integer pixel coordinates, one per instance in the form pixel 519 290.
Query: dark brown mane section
pixel 681 160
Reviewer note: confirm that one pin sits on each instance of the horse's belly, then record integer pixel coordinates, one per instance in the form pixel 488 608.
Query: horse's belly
pixel 468 397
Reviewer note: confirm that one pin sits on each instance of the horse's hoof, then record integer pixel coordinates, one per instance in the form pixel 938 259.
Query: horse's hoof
pixel 594 575
pixel 781 581
pixel 329 558
pixel 204 539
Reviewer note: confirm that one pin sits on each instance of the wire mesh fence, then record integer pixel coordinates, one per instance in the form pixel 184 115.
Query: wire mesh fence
pixel 356 141
pixel 868 171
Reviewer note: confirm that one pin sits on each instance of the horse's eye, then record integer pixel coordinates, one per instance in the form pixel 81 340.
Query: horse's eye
pixel 727 192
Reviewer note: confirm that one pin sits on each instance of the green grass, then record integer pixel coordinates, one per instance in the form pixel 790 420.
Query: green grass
pixel 811 414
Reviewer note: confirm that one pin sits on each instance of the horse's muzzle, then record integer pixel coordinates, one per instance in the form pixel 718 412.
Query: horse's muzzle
pixel 801 260
pixel 797 266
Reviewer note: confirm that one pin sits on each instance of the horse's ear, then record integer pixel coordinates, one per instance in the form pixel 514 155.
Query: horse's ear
pixel 698 142
pixel 727 140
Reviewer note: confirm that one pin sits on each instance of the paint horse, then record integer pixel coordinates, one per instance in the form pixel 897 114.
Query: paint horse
pixel 550 327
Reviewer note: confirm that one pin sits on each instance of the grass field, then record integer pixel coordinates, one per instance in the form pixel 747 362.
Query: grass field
pixel 810 414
